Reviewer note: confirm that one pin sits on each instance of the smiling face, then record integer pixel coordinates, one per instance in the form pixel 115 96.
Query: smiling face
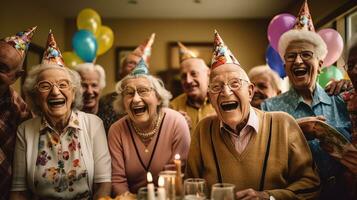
pixel 263 89
pixel 10 64
pixel 55 103
pixel 303 70
pixel 232 106
pixel 91 90
pixel 194 78
pixel 140 101
pixel 129 64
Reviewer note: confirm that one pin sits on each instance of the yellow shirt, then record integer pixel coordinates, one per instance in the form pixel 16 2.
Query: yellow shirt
pixel 180 104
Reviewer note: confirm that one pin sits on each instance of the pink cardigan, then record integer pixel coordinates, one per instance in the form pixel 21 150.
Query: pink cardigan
pixel 128 174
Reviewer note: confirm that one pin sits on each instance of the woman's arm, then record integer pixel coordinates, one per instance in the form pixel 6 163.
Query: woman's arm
pixel 102 190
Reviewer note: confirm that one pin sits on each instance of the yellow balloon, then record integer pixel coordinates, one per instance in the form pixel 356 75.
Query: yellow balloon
pixel 89 19
pixel 105 39
pixel 71 59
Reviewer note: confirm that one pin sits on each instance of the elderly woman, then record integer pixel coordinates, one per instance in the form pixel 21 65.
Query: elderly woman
pixel 149 136
pixel 62 153
pixel 267 84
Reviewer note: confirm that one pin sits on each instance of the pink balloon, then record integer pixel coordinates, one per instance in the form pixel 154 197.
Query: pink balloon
pixel 334 44
pixel 279 25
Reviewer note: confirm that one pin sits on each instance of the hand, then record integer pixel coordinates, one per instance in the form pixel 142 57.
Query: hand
pixel 252 194
pixel 335 87
pixel 349 159
pixel 188 118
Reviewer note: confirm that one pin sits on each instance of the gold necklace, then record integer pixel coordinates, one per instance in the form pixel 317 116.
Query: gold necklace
pixel 146 137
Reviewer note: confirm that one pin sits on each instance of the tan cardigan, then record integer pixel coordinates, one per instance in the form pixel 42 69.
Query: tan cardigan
pixel 289 172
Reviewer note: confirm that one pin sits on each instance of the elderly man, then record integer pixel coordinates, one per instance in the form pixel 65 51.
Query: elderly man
pixel 267 84
pixel 193 104
pixel 303 52
pixel 106 111
pixel 13 108
pixel 93 82
pixel 252 149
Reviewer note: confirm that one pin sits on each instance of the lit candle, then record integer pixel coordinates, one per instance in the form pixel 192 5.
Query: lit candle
pixel 161 193
pixel 150 187
pixel 177 162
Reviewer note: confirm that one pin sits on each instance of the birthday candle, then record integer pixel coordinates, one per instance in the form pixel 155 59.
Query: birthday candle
pixel 177 162
pixel 150 187
pixel 161 193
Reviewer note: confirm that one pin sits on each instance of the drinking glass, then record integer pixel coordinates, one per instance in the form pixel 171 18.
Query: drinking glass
pixel 195 188
pixel 143 193
pixel 169 183
pixel 222 191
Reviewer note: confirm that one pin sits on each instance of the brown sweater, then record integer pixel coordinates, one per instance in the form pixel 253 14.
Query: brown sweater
pixel 289 170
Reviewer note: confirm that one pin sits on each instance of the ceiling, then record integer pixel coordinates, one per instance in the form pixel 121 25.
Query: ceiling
pixel 174 9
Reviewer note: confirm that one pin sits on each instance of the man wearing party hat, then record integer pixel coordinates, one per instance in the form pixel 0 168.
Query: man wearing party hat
pixel 13 108
pixel 105 111
pixel 251 149
pixel 303 52
pixel 193 104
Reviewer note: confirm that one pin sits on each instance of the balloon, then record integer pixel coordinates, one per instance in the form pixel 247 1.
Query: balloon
pixel 71 59
pixel 329 73
pixel 274 61
pixel 89 19
pixel 334 44
pixel 279 25
pixel 85 45
pixel 105 39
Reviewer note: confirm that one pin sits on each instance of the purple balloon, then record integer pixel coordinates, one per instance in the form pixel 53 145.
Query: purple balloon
pixel 278 26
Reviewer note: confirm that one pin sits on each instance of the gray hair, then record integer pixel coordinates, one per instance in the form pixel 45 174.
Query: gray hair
pixel 264 69
pixel 161 93
pixel 32 79
pixel 84 67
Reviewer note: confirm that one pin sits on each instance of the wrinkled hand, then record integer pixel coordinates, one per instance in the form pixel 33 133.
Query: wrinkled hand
pixel 251 194
pixel 349 159
pixel 188 118
pixel 335 87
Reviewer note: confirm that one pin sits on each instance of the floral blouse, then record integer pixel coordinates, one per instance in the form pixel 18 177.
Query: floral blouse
pixel 60 171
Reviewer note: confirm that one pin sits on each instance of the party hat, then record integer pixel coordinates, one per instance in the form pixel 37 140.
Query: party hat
pixel 21 40
pixel 141 68
pixel 185 53
pixel 221 53
pixel 303 30
pixel 52 54
pixel 144 49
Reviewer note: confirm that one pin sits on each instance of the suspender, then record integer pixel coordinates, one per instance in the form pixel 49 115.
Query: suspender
pixel 262 178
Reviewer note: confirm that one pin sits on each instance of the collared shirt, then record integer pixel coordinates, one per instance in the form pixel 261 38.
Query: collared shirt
pixel 333 108
pixel 241 140
pixel 60 170
pixel 13 111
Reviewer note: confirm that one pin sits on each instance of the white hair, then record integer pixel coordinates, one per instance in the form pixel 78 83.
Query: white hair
pixel 302 35
pixel 32 79
pixel 84 67
pixel 265 69
pixel 161 93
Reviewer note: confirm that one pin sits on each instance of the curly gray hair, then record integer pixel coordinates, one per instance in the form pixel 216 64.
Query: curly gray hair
pixel 83 67
pixel 32 79
pixel 161 93
pixel 265 69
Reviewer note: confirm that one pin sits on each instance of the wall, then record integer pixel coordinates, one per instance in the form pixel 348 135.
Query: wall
pixel 246 38
pixel 18 16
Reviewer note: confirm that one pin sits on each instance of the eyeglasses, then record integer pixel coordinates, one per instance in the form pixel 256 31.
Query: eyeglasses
pixel 350 66
pixel 45 86
pixel 142 91
pixel 233 84
pixel 304 55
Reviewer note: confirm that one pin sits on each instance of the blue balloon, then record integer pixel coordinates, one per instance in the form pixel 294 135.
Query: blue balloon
pixel 274 61
pixel 85 45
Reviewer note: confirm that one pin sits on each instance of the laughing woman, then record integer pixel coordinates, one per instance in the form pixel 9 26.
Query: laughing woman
pixel 149 136
pixel 62 153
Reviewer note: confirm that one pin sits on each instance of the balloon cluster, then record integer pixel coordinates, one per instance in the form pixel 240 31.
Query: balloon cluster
pixel 91 40
pixel 284 22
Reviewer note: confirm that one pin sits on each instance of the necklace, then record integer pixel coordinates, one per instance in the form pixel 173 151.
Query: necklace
pixel 146 137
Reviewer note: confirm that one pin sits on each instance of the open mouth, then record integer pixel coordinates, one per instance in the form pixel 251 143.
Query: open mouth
pixel 139 109
pixel 230 105
pixel 56 102
pixel 300 71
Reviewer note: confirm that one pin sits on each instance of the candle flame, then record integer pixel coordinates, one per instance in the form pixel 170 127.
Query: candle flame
pixel 177 156
pixel 161 181
pixel 149 177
